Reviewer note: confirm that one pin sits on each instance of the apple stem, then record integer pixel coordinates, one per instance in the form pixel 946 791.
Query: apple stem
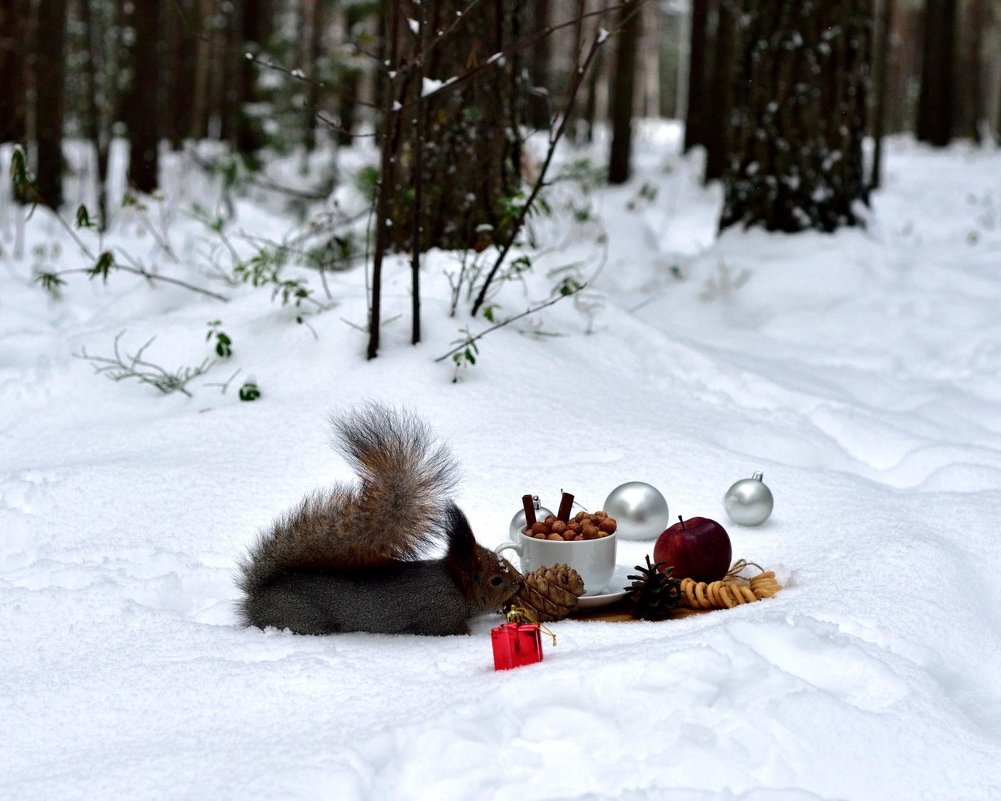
pixel 682 522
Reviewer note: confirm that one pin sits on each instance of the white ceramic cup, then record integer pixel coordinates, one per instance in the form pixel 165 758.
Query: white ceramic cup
pixel 593 559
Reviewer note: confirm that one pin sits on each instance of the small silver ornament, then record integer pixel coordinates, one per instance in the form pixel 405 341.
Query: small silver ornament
pixel 518 521
pixel 749 502
pixel 639 509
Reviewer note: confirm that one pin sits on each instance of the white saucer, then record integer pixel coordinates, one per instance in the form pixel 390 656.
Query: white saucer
pixel 620 579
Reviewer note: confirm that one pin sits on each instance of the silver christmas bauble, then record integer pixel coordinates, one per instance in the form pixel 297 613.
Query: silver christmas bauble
pixel 639 509
pixel 518 521
pixel 749 502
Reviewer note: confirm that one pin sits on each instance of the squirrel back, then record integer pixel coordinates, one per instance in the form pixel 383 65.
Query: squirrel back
pixel 346 559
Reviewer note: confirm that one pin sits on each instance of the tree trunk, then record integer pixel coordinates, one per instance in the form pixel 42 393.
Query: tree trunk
pixel 799 116
pixel 580 122
pixel 624 91
pixel 472 145
pixel 218 27
pixel 200 79
pixel 256 27
pixel 349 83
pixel 388 147
pixel 903 69
pixel 650 73
pixel 882 62
pixel 718 119
pixel 144 136
pixel 695 122
pixel 969 80
pixel 181 21
pixel 314 40
pixel 540 56
pixel 935 104
pixel 14 16
pixel 596 84
pixel 229 67
pixel 50 82
pixel 170 72
pixel 96 125
pixel 422 37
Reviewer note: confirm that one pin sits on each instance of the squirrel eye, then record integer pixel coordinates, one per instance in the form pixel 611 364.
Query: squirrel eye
pixel 496 580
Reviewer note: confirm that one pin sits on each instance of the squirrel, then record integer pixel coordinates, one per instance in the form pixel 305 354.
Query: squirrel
pixel 346 558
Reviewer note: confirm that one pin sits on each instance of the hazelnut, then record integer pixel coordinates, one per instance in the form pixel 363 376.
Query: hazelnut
pixel 559 527
pixel 555 537
pixel 550 519
pixel 580 516
pixel 601 513
pixel 590 532
pixel 540 528
pixel 607 525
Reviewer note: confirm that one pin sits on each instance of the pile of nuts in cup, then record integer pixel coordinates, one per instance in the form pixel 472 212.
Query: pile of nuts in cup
pixel 560 528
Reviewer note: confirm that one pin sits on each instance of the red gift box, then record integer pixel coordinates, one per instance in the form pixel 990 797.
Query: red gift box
pixel 516 644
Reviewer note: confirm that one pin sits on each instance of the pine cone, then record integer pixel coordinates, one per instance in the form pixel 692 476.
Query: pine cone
pixel 655 592
pixel 550 592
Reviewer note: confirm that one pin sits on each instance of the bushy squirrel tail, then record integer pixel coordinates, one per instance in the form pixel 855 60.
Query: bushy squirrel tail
pixel 398 509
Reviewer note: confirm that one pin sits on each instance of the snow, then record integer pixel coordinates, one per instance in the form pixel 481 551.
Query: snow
pixel 861 372
pixel 431 85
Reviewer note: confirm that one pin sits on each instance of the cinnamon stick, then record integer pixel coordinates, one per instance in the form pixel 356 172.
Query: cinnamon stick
pixel 566 504
pixel 529 504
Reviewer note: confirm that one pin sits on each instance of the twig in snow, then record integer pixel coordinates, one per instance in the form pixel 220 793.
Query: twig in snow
pixel 465 343
pixel 121 366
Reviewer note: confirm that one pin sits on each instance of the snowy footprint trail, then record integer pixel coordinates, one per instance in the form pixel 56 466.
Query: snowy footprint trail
pixel 861 372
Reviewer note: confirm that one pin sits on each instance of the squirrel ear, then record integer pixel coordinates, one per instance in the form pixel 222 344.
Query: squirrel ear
pixel 462 545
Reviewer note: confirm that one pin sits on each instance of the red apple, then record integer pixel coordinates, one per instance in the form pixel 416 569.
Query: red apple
pixel 696 548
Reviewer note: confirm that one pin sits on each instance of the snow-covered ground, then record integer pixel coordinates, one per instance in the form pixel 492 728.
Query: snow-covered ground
pixel 860 372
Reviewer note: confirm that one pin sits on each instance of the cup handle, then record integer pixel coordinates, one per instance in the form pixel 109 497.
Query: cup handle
pixel 509 546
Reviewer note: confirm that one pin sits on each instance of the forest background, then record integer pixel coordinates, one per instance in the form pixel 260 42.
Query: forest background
pixel 784 97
